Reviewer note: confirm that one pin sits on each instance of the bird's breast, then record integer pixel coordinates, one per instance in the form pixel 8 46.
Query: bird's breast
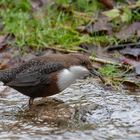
pixel 65 79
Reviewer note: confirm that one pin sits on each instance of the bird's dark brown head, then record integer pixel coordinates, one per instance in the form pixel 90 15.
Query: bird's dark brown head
pixel 84 60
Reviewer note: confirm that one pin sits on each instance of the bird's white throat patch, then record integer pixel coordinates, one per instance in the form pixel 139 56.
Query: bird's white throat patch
pixel 68 76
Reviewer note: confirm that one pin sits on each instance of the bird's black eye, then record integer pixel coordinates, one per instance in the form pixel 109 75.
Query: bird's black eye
pixel 83 63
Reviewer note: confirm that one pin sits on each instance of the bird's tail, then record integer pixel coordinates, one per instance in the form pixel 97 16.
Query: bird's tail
pixel 7 75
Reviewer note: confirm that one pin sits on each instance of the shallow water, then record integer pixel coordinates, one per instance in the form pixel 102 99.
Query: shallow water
pixel 86 110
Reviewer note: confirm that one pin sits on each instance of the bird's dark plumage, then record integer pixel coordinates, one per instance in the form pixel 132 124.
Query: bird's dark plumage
pixel 38 77
pixel 34 80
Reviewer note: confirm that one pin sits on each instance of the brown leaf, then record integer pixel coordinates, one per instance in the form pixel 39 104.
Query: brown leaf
pixel 135 52
pixel 102 26
pixel 108 3
pixel 129 31
pixel 135 64
pixel 128 61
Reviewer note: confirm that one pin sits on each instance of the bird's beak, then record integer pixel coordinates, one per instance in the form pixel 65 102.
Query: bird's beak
pixel 95 73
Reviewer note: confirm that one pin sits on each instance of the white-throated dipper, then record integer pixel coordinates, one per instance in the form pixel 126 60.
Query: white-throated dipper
pixel 47 75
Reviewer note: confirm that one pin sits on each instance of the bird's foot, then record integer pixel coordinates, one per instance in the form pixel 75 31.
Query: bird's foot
pixel 31 100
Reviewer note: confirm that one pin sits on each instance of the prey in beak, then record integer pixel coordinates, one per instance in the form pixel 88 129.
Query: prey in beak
pixel 95 73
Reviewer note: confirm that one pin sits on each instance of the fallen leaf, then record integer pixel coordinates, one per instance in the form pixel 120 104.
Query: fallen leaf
pixel 112 13
pixel 102 26
pixel 108 3
pixel 129 31
pixel 126 15
pixel 135 64
pixel 135 52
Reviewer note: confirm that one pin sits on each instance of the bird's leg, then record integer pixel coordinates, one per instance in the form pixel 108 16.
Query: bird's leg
pixel 31 100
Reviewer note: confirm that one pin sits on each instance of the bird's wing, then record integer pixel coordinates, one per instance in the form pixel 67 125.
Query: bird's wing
pixel 35 75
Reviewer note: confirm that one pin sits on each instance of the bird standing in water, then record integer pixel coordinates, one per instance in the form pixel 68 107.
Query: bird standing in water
pixel 47 75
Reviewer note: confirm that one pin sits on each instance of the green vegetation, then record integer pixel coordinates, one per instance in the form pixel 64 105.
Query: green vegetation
pixel 53 26
pixel 110 70
pixel 48 26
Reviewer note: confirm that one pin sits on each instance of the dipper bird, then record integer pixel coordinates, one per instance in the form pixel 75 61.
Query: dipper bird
pixel 47 75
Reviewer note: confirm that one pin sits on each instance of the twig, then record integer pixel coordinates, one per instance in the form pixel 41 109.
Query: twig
pixel 137 83
pixel 61 50
pixel 100 60
pixel 82 15
pixel 122 46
